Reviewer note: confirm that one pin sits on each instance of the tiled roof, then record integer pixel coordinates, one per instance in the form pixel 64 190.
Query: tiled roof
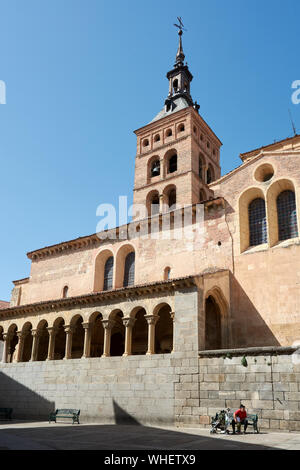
pixel 244 155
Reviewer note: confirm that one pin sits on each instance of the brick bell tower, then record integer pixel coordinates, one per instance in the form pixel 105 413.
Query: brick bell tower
pixel 178 154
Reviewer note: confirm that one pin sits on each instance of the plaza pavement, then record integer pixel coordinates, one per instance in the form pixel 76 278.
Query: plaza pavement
pixel 54 436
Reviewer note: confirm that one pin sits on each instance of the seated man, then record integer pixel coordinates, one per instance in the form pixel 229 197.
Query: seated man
pixel 240 417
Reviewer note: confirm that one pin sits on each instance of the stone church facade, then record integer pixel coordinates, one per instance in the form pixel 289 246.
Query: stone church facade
pixel 153 328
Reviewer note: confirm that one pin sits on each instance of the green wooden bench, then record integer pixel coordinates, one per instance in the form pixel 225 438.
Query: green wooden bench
pixel 6 413
pixel 65 413
pixel 252 419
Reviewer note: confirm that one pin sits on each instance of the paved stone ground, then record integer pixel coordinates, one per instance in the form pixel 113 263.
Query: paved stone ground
pixel 45 436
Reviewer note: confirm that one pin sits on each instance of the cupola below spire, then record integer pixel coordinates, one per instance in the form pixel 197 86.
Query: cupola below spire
pixel 180 78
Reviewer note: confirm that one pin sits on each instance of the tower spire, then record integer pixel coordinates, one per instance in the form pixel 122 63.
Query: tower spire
pixel 180 55
pixel 180 78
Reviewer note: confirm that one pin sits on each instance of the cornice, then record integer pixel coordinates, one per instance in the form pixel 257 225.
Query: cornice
pixel 91 241
pixel 152 126
pixel 100 297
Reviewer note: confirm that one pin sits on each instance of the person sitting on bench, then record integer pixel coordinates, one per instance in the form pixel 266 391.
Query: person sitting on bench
pixel 239 418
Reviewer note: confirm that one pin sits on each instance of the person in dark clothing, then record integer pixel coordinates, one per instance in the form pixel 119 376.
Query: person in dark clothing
pixel 239 418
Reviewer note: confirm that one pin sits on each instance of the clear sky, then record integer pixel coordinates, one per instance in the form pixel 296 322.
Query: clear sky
pixel 81 75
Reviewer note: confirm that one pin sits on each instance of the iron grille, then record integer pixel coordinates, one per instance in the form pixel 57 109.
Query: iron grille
pixel 257 222
pixel 287 216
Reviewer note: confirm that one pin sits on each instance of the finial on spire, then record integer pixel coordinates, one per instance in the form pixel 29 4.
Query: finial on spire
pixel 180 55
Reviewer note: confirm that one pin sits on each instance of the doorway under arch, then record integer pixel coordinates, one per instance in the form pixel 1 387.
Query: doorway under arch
pixel 213 332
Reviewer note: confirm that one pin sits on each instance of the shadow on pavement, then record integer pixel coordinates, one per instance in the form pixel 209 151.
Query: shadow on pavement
pixel 114 437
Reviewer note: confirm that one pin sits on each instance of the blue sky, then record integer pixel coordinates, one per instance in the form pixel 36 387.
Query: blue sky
pixel 81 75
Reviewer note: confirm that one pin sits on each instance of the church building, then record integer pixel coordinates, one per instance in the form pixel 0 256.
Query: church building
pixel 194 309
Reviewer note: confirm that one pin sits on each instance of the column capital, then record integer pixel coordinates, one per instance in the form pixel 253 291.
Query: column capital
pixel 68 329
pixel 36 333
pixel 52 330
pixel 172 315
pixel 108 324
pixel 128 322
pixel 86 325
pixel 152 319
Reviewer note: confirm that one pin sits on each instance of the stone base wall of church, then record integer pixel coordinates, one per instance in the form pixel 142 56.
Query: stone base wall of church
pixel 164 389
pixel 106 390
pixel 268 385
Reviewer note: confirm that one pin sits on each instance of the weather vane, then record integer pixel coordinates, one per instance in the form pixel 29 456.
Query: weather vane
pixel 180 26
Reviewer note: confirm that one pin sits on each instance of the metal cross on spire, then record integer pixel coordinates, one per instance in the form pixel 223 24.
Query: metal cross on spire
pixel 180 55
pixel 180 26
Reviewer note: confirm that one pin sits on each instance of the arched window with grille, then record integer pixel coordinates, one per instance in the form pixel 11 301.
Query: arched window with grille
pixel 287 216
pixel 257 222
pixel 108 273
pixel 129 270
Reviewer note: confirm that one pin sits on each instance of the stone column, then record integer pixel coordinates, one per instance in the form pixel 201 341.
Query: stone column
pixel 20 345
pixel 172 315
pixel 128 322
pixel 6 339
pixel 151 320
pixel 51 345
pixel 69 333
pixel 108 326
pixel 87 339
pixel 161 203
pixel 35 344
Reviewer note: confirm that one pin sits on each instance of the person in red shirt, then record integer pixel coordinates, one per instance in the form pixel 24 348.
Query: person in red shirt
pixel 239 418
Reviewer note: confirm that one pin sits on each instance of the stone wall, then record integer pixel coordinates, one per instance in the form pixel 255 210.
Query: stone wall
pixel 268 386
pixel 106 390
pixel 168 389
